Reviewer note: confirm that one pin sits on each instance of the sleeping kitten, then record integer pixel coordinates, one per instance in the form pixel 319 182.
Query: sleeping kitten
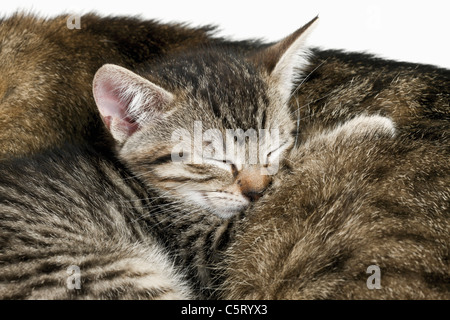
pixel 219 90
pixel 74 207
pixel 337 87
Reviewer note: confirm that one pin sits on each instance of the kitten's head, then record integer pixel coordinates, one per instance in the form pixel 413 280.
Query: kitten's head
pixel 208 127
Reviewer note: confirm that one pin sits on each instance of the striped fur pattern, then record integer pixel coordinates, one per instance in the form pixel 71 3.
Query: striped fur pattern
pixel 74 208
pixel 223 89
pixel 345 199
pixel 47 71
pixel 355 199
pixel 352 203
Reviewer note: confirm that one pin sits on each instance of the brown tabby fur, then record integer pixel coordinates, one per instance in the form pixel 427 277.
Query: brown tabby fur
pixel 47 71
pixel 348 205
pixel 340 85
pixel 339 209
pixel 70 189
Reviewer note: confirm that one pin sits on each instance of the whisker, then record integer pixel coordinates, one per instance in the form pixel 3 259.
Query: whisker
pixel 306 78
pixel 313 101
pixel 298 123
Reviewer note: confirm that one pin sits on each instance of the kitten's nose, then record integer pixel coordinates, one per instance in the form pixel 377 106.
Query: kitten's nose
pixel 252 182
pixel 252 195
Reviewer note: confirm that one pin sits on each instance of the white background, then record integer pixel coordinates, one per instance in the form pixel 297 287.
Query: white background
pixel 403 30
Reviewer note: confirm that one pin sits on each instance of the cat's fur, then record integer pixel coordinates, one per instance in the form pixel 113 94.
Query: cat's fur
pixel 47 71
pixel 77 208
pixel 341 85
pixel 349 204
pixel 72 207
pixel 351 201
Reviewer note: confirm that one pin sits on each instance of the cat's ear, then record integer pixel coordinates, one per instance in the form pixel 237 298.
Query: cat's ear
pixel 126 101
pixel 285 59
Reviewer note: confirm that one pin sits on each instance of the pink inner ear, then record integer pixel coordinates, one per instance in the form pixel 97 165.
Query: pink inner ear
pixel 123 114
pixel 113 109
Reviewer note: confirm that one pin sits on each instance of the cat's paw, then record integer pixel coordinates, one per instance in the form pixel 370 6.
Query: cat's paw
pixel 365 128
pixel 357 130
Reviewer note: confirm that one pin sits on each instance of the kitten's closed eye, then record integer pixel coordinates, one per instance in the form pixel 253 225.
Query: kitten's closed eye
pixel 217 185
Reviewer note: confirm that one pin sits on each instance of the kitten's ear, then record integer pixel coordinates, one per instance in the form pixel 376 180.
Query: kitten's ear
pixel 127 101
pixel 285 59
